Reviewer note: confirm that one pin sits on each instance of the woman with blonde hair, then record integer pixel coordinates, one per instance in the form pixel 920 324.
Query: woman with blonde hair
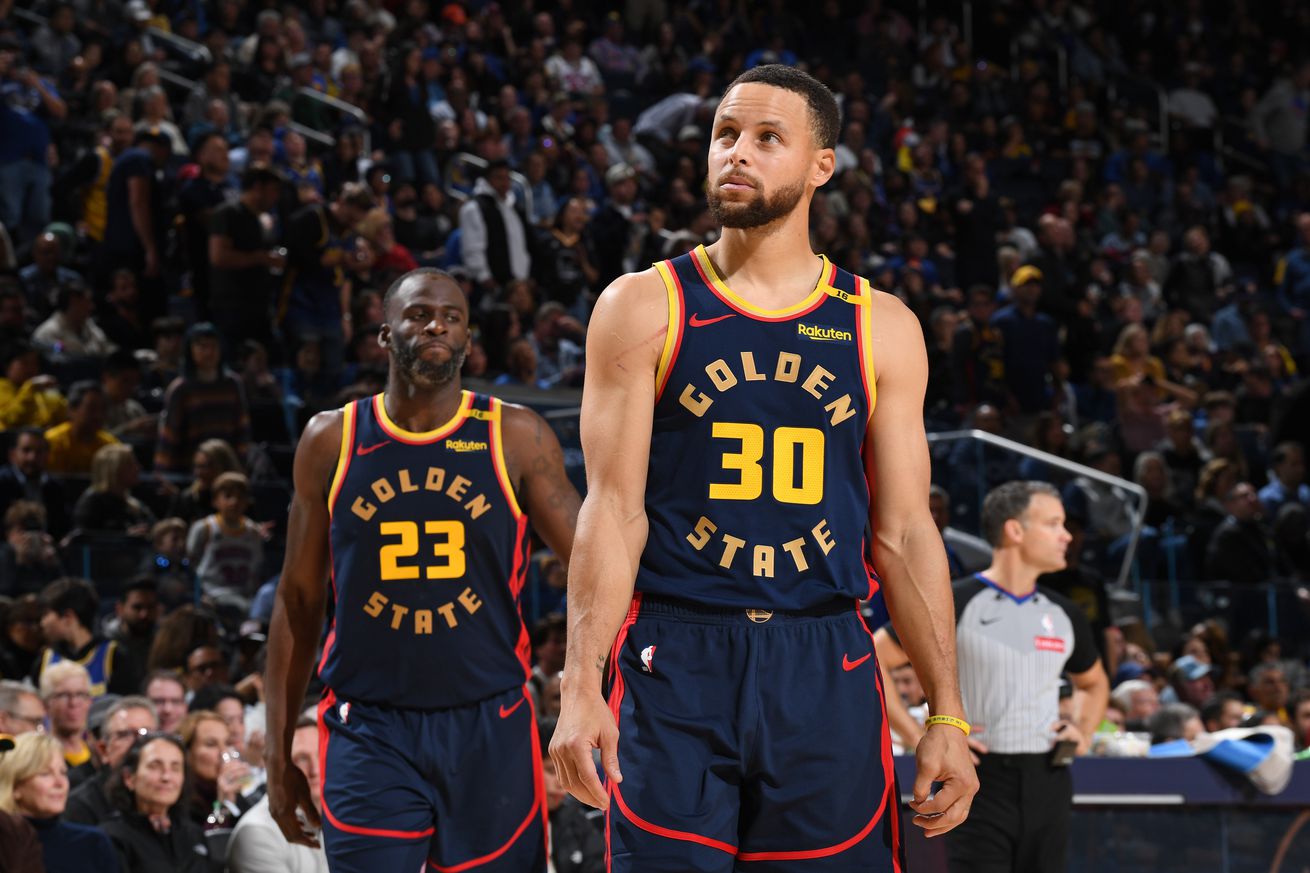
pixel 212 459
pixel 108 505
pixel 34 784
pixel 1133 364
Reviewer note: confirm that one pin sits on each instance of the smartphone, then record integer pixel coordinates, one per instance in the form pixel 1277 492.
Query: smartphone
pixel 1063 753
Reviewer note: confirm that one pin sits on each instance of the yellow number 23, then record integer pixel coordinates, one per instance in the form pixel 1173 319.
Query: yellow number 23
pixel 449 550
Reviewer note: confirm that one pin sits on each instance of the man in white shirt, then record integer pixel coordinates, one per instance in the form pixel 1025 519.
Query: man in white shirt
pixel 257 846
pixel 494 242
pixel 71 331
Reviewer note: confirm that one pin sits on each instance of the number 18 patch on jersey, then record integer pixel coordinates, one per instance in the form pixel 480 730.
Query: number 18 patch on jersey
pixel 756 491
pixel 429 554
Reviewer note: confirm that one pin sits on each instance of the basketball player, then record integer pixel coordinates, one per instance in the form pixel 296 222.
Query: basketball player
pixel 416 501
pixel 735 458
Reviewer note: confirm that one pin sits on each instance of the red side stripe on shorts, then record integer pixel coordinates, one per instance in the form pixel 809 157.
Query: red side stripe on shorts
pixel 888 763
pixel 538 804
pixel 670 833
pixel 329 700
pixel 616 701
pixel 616 698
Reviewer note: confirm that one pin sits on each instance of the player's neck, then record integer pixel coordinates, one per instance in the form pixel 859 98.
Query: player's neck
pixel 419 408
pixel 771 267
pixel 1009 573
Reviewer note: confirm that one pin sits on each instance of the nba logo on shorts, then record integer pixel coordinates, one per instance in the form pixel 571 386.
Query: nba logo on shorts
pixel 647 656
pixel 344 712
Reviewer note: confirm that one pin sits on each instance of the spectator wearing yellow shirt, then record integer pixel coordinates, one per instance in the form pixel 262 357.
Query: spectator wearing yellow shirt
pixel 27 398
pixel 74 443
pixel 1133 363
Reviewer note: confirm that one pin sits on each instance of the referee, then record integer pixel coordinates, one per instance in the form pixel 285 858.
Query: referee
pixel 1014 641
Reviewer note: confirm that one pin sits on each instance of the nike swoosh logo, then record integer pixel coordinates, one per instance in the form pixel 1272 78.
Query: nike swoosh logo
pixel 697 321
pixel 848 665
pixel 361 451
pixel 506 713
pixel 988 620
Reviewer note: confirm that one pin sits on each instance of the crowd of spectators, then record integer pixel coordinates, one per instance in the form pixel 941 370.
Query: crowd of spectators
pixel 194 238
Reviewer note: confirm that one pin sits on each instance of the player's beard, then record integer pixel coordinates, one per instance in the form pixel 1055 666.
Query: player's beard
pixel 423 371
pixel 756 212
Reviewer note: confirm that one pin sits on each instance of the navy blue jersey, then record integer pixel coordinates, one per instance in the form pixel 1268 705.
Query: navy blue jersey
pixel 756 491
pixel 429 554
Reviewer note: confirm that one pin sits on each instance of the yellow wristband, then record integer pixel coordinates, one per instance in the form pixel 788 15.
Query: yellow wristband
pixel 948 719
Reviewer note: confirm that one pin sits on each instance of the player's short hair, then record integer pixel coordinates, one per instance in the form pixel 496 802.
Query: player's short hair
pixel 825 120
pixel 1009 501
pixel 431 272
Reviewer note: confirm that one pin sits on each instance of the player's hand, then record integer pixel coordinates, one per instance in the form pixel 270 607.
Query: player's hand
pixel 586 723
pixel 288 792
pixel 943 756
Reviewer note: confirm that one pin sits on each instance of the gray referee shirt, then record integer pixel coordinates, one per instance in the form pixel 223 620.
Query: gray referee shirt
pixel 1012 651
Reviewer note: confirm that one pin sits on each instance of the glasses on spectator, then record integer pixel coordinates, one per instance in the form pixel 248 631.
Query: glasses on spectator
pixel 34 722
pixel 115 736
pixel 71 697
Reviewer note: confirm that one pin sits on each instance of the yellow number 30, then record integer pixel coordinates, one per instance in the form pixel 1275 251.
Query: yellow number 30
pixel 750 480
pixel 450 550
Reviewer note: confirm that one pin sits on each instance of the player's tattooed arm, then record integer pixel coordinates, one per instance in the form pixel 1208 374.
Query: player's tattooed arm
pixel 536 469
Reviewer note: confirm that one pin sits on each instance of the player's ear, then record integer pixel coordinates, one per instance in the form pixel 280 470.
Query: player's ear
pixel 1014 530
pixel 825 161
pixel 384 336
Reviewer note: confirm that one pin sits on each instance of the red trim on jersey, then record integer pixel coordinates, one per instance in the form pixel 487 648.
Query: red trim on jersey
pixel 331 638
pixel 518 577
pixel 395 432
pixel 868 570
pixel 755 315
pixel 678 326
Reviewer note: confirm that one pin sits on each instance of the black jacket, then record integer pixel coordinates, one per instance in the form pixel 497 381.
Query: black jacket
pixel 88 803
pixel 142 850
pixel 577 842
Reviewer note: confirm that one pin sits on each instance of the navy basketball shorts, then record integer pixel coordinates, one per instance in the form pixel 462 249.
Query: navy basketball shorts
pixel 447 790
pixel 749 741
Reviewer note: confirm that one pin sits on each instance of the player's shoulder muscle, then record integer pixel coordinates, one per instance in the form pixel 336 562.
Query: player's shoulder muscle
pixel 318 452
pixel 629 324
pixel 897 336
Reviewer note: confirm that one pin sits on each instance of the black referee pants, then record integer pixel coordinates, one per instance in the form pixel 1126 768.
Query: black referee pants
pixel 1019 821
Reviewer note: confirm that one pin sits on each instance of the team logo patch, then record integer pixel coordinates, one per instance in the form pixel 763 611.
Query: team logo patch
pixel 466 446
pixel 647 659
pixel 823 333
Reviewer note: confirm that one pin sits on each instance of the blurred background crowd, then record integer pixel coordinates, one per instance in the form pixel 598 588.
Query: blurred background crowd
pixel 1100 213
